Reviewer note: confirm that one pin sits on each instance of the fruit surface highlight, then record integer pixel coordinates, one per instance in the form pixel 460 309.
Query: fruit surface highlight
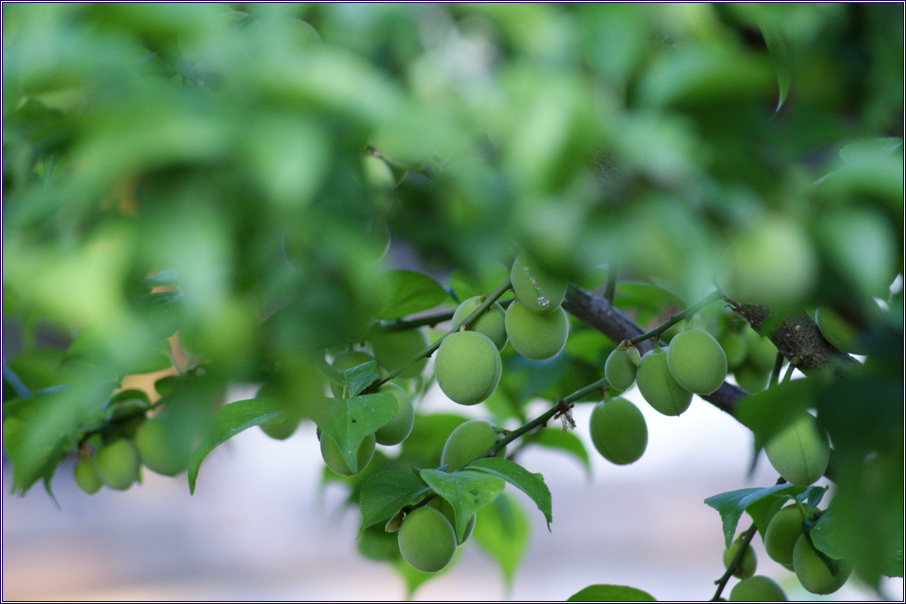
pixel 535 336
pixel 618 431
pixel 468 367
pixel 490 322
pixel 658 387
pixel 696 361
pixel 468 441
pixel 427 540
pixel 800 451
pixel 538 291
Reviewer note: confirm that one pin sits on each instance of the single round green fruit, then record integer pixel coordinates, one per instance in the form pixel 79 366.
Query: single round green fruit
pixel 748 563
pixel 838 331
pixel 658 387
pixel 800 451
pixel 750 378
pixel 762 352
pixel 398 428
pixel 86 476
pixel 427 540
pixel 784 529
pixel 163 446
pixel 444 506
pixel 536 336
pixel 538 291
pixel 330 451
pixel 772 262
pixel 490 322
pixel 468 367
pixel 618 431
pixel 620 370
pixel 757 589
pixel 393 349
pixel 116 464
pixel 697 362
pixel 467 442
pixel 347 360
pixel 814 573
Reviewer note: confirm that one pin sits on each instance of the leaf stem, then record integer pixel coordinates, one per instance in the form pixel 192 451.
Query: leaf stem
pixel 746 539
pixel 674 319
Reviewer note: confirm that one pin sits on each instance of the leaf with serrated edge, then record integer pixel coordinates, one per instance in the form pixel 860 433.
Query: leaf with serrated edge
pixel 466 491
pixel 349 421
pixel 532 484
pixel 732 504
pixel 229 421
pixel 386 493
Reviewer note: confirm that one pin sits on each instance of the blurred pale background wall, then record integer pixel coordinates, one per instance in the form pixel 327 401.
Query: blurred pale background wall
pixel 261 528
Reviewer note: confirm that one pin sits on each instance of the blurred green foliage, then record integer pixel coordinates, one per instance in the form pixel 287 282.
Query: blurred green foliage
pixel 250 175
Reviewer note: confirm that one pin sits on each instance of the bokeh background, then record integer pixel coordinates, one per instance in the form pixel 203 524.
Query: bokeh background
pixel 262 526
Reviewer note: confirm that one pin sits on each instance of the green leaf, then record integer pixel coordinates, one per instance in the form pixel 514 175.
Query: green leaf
pixel 229 421
pixel 386 493
pixel 766 413
pixel 349 421
pixel 777 47
pixel 610 593
pixel 409 292
pixel 467 492
pixel 568 442
pixel 532 484
pixel 503 531
pixel 756 501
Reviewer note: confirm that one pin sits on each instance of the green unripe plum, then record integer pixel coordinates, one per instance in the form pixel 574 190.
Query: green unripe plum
pixel 781 534
pixel 735 348
pixel 658 387
pixel 330 451
pixel 427 540
pixel 757 589
pixel 762 352
pixel 116 464
pixel 347 360
pixel 772 262
pixel 748 563
pixel 398 428
pixel 536 336
pixel 750 378
pixel 618 431
pixel 393 349
pixel 128 414
pixel 697 362
pixel 86 476
pixel 814 573
pixel 468 367
pixel 444 506
pixel 800 451
pixel 490 322
pixel 620 370
pixel 538 291
pixel 838 331
pixel 162 446
pixel 467 442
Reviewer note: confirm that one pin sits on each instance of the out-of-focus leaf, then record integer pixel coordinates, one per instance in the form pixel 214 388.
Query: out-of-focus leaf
pixel 503 531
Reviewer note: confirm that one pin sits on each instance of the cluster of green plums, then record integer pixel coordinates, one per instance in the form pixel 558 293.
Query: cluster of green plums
pixel 787 541
pixel 132 440
pixel 750 356
pixel 667 377
pixel 467 364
